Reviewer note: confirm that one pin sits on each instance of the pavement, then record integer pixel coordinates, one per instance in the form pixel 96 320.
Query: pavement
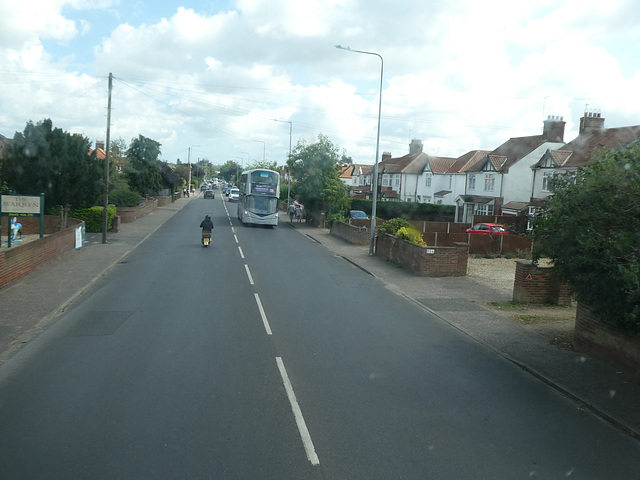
pixel 608 390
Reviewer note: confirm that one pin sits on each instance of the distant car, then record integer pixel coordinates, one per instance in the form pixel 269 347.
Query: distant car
pixel 358 215
pixel 209 194
pixel 488 229
pixel 234 194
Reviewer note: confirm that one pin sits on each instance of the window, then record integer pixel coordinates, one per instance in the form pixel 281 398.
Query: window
pixel 385 180
pixel 546 177
pixel 489 182
pixel 532 213
pixel 427 180
pixel 397 180
pixel 482 209
pixel 450 181
pixel 472 182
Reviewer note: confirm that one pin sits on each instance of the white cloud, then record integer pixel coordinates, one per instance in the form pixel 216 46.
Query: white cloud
pixel 459 75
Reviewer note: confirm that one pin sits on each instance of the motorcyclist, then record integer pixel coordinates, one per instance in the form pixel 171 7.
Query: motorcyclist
pixel 206 225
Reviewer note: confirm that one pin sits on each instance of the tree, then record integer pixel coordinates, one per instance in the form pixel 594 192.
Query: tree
pixel 143 169
pixel 170 177
pixel 48 160
pixel 315 168
pixel 229 170
pixel 590 229
pixel 264 164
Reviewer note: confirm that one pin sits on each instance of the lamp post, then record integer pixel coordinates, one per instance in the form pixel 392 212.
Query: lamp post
pixel 189 162
pixel 264 150
pixel 248 159
pixel 289 170
pixel 375 165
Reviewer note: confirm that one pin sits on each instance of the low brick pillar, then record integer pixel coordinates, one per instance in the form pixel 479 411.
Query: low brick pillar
pixel 607 341
pixel 536 284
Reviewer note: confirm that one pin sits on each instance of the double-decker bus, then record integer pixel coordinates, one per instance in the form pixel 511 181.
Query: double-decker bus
pixel 259 195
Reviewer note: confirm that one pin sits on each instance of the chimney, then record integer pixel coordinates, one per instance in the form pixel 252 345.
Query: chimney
pixel 591 121
pixel 386 156
pixel 99 144
pixel 554 129
pixel 415 147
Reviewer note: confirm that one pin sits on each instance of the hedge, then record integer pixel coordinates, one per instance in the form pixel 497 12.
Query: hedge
pixel 93 217
pixel 408 210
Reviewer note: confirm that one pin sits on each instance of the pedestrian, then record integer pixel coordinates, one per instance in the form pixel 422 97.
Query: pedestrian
pixel 291 211
pixel 299 212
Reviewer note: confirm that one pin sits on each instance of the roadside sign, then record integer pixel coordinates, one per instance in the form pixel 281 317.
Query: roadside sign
pixel 22 206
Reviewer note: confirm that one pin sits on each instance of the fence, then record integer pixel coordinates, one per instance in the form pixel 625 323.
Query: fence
pixel 447 234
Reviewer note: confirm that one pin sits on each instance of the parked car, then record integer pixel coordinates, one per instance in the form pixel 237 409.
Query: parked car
pixel 488 229
pixel 234 194
pixel 209 194
pixel 358 215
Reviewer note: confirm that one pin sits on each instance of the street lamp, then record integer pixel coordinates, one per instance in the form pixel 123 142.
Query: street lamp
pixel 375 165
pixel 264 150
pixel 189 162
pixel 248 159
pixel 289 171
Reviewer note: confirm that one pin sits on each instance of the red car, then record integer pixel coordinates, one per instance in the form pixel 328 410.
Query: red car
pixel 488 229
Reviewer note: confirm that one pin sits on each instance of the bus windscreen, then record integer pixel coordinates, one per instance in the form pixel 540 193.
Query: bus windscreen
pixel 264 183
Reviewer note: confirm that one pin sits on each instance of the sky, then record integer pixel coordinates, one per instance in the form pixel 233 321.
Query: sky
pixel 241 80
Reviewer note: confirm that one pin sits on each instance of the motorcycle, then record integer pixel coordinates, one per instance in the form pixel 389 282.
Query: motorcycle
pixel 206 238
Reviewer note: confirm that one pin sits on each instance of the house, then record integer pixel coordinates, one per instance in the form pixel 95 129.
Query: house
pixel 503 176
pixel 355 177
pixel 4 143
pixel 398 177
pixel 576 154
pixel 101 153
pixel 443 178
pixel 361 181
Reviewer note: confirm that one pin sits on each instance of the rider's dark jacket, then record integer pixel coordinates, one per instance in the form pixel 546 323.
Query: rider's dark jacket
pixel 206 225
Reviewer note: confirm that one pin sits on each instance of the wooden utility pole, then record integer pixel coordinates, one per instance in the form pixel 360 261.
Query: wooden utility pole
pixel 105 213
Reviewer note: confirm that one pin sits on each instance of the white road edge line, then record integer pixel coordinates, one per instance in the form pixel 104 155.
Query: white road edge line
pixel 246 267
pixel 267 327
pixel 240 250
pixel 297 413
pixel 236 238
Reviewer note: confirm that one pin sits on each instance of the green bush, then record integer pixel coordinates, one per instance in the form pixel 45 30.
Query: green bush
pixel 124 197
pixel 411 235
pixel 335 218
pixel 93 218
pixel 589 229
pixel 393 225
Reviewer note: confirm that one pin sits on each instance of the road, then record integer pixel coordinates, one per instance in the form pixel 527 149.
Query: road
pixel 266 356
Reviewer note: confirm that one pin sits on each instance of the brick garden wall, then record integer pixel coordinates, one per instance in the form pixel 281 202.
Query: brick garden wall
pixel 425 261
pixel 31 225
pixel 535 284
pixel 131 214
pixel 20 259
pixel 352 234
pixel 604 340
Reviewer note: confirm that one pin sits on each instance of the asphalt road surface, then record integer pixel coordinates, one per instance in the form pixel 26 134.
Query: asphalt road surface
pixel 266 356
